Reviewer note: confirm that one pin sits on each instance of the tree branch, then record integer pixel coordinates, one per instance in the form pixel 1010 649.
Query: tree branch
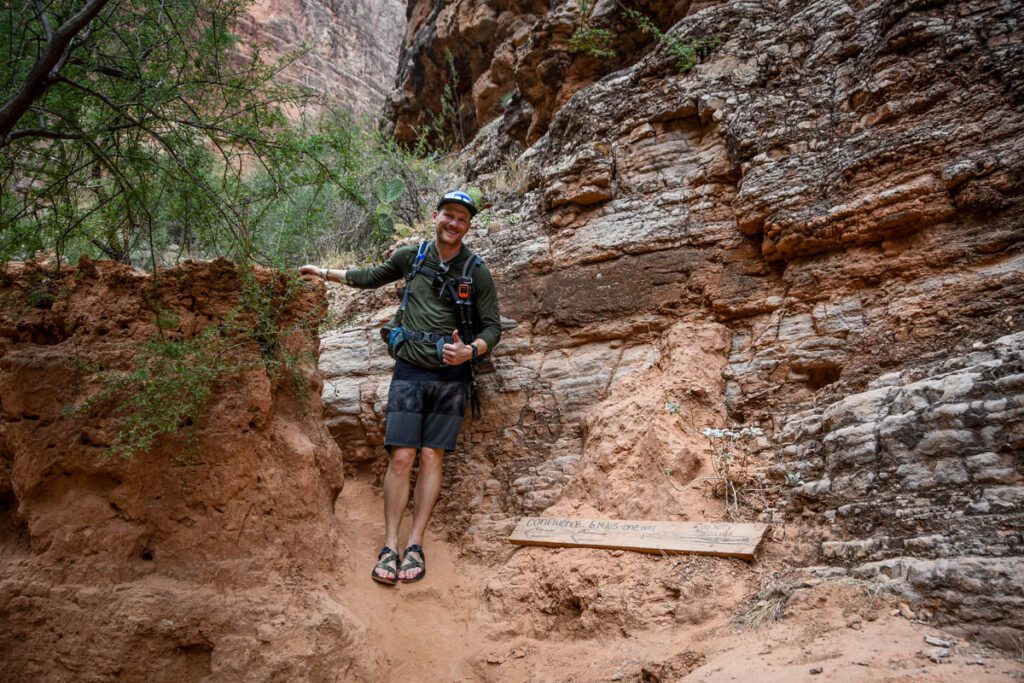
pixel 61 135
pixel 225 210
pixel 40 77
pixel 44 20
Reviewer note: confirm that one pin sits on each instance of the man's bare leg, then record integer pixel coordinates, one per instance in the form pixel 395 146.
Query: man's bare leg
pixel 396 495
pixel 428 487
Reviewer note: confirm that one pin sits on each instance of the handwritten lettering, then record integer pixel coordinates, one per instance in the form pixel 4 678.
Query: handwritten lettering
pixel 554 523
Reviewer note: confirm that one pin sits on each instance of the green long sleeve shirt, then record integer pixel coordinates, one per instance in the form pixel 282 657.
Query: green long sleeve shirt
pixel 425 311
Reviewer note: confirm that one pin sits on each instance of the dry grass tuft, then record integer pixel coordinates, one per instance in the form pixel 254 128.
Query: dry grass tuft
pixel 766 606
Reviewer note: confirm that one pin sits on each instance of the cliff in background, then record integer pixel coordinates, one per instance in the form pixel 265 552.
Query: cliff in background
pixel 351 46
pixel 818 230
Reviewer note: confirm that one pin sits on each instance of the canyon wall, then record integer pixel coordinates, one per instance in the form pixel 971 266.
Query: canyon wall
pixel 349 47
pixel 818 230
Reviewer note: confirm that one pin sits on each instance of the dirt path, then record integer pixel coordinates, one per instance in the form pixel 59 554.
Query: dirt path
pixel 424 630
pixel 440 629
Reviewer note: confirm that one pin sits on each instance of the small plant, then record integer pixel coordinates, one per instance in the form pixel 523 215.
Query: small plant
pixel 599 42
pixel 687 52
pixel 476 194
pixel 766 606
pixel 171 379
pixel 165 391
pixel 264 303
pixel 510 178
pixel 387 195
pixel 676 408
pixel 730 451
pixel 596 42
pixel 445 130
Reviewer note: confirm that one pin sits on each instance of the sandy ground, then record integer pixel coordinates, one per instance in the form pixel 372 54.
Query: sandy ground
pixel 440 629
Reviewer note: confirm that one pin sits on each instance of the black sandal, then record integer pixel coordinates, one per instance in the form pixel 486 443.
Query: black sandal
pixel 409 562
pixel 386 557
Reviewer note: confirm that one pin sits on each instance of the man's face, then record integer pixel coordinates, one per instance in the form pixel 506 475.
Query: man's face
pixel 451 223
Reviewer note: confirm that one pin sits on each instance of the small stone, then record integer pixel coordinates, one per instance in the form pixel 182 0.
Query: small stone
pixel 816 670
pixel 937 654
pixel 937 642
pixel 906 612
pixel 494 659
pixel 265 632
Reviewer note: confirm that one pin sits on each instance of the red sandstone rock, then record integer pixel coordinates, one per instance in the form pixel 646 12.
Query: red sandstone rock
pixel 185 548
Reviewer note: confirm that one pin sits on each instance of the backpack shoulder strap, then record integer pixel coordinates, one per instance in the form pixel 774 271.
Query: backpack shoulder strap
pixel 416 266
pixel 472 262
pixel 418 260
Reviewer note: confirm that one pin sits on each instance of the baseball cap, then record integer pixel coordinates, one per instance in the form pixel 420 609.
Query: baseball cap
pixel 459 197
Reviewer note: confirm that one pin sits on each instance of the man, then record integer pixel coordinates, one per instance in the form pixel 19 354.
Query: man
pixel 432 374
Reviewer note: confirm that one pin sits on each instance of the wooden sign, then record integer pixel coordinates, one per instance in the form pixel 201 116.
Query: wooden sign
pixel 698 538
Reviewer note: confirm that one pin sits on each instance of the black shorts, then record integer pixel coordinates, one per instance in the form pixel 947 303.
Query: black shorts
pixel 426 407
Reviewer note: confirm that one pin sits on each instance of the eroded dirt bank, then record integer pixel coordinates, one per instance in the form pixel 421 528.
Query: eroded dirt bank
pixel 186 559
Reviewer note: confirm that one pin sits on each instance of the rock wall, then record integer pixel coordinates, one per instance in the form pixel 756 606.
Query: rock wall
pixel 198 557
pixel 835 192
pixel 504 59
pixel 921 468
pixel 351 46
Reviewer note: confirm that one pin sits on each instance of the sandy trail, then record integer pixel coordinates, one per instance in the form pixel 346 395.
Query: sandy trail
pixel 440 629
pixel 422 629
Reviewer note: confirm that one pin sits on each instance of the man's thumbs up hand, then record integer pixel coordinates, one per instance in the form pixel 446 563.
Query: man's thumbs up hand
pixel 456 353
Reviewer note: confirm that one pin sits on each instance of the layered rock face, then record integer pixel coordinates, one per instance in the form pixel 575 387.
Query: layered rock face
pixel 351 46
pixel 198 557
pixel 465 64
pixel 921 473
pixel 835 195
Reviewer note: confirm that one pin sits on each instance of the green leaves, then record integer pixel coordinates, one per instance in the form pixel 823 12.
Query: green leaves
pixel 153 116
pixel 390 192
pixel 600 43
pixel 387 194
pixel 164 391
pixel 596 42
pixel 171 379
pixel 586 39
pixel 160 140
